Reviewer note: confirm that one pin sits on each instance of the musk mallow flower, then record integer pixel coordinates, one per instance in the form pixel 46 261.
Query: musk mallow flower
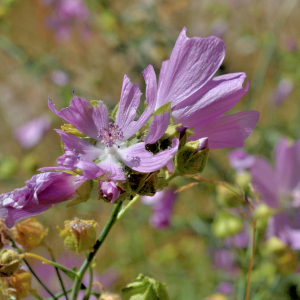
pixel 112 147
pixel 279 188
pixel 41 192
pixel 198 100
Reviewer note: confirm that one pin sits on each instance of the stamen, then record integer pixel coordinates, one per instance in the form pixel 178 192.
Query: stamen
pixel 110 135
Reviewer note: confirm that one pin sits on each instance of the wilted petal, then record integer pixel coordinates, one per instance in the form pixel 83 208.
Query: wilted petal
pixel 287 160
pixel 81 148
pixel 192 63
pixel 80 114
pixel 151 91
pixel 30 133
pixel 265 182
pixel 216 97
pixel 139 159
pixel 40 193
pixel 227 131
pixel 158 127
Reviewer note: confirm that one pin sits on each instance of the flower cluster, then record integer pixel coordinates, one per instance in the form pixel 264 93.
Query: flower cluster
pixel 126 155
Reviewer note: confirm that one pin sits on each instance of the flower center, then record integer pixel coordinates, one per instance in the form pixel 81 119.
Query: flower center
pixel 110 135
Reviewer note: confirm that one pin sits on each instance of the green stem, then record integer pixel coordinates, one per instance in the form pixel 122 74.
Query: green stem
pixel 13 244
pixel 89 289
pixel 124 209
pixel 57 271
pixel 111 221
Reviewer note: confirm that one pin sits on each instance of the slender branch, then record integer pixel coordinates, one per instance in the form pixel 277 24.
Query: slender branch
pixel 111 221
pixel 125 208
pixel 56 270
pixel 251 262
pixel 60 294
pixel 89 289
pixel 13 244
pixel 49 262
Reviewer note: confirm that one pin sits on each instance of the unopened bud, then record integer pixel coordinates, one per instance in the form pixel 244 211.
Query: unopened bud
pixel 79 235
pixel 228 196
pixel 192 157
pixel 273 245
pixel 262 214
pixel 243 179
pixel 226 224
pixel 21 283
pixel 29 233
pixel 4 234
pixel 142 183
pixel 9 262
pixel 68 128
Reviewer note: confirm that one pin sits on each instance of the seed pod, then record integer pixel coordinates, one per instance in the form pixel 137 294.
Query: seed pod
pixel 9 262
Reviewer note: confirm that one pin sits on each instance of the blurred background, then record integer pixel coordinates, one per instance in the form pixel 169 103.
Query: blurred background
pixel 48 47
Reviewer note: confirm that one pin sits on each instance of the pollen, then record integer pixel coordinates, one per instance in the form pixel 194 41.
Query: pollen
pixel 111 135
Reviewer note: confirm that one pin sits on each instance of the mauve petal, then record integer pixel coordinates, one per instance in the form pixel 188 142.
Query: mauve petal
pixel 129 103
pixel 100 116
pixel 192 63
pixel 216 97
pixel 81 148
pixel 170 166
pixel 139 159
pixel 30 133
pixel 240 240
pixel 227 131
pixel 109 190
pixel 158 127
pixel 114 171
pixel 90 170
pixel 265 182
pixel 240 160
pixel 287 161
pixel 281 226
pixel 162 72
pixel 150 200
pixel 79 114
pixel 151 91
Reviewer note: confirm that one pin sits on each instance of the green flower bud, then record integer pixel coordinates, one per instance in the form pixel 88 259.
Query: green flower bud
pixel 79 235
pixel 262 214
pixel 9 262
pixel 243 179
pixel 226 224
pixel 228 196
pixel 142 183
pixel 145 288
pixel 84 193
pixel 190 159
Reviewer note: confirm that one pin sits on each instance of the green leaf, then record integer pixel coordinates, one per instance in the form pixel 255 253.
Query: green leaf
pixel 84 192
pixel 166 107
pixel 145 288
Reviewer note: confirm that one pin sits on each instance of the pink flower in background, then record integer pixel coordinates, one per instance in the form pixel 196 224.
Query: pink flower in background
pixel 60 78
pixel 240 160
pixel 66 15
pixel 225 288
pixel 198 100
pixel 29 134
pixel 284 89
pixel 279 188
pixel 223 260
pixel 163 203
pixel 219 28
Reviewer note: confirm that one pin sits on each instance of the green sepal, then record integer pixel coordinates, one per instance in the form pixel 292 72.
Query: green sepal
pixel 115 111
pixel 190 161
pixel 183 139
pixel 142 183
pixel 84 192
pixel 145 288
pixel 94 102
pixel 68 128
pixel 166 107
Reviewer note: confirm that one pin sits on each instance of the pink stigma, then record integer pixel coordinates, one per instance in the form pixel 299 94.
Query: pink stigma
pixel 110 135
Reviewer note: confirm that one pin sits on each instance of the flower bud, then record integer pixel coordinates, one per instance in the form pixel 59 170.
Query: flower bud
pixel 21 283
pixel 9 262
pixel 109 191
pixel 226 224
pixel 142 183
pixel 192 157
pixel 243 179
pixel 29 233
pixel 262 214
pixel 4 234
pixel 145 288
pixel 79 235
pixel 109 296
pixel 228 196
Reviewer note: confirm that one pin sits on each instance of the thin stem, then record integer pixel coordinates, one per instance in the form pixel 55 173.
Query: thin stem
pixel 13 244
pixel 57 270
pixel 251 262
pixel 111 221
pixel 125 208
pixel 89 289
pixel 49 262
pixel 60 294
